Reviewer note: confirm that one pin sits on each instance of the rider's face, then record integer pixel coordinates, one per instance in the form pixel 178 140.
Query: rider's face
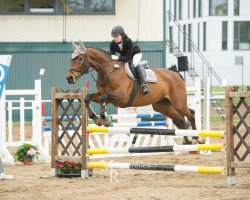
pixel 117 38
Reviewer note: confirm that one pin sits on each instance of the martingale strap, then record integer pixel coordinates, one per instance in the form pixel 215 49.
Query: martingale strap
pixel 133 93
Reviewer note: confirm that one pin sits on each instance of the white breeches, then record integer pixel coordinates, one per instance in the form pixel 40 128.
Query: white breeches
pixel 137 59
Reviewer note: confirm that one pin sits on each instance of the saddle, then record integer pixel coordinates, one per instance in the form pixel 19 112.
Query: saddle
pixel 149 74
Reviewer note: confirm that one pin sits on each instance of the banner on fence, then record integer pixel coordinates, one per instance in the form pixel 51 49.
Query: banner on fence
pixel 4 68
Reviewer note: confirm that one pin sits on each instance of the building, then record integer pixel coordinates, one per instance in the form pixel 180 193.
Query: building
pixel 220 29
pixel 39 33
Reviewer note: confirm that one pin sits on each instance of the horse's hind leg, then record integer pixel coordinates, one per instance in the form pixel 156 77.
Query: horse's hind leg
pixel 165 107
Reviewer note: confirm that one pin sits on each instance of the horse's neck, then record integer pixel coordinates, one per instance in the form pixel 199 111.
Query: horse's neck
pixel 99 59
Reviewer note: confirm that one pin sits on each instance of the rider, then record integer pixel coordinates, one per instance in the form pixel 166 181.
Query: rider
pixel 123 45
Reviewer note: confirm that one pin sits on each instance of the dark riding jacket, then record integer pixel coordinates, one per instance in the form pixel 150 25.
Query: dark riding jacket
pixel 128 49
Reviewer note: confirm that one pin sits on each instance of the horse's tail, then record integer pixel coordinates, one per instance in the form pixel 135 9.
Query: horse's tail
pixel 174 69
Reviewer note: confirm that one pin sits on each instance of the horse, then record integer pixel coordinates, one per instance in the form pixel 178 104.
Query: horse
pixel 167 96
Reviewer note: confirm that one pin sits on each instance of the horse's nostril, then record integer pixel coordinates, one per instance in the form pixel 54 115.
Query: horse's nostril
pixel 71 80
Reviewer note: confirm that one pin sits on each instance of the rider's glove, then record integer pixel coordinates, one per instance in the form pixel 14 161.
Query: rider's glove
pixel 114 57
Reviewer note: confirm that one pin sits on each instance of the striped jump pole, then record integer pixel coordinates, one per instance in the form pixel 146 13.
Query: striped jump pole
pixel 174 148
pixel 137 116
pixel 117 116
pixel 176 168
pixel 137 124
pixel 128 124
pixel 65 118
pixel 157 131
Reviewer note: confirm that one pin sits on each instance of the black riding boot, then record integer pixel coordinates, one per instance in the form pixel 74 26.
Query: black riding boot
pixel 141 78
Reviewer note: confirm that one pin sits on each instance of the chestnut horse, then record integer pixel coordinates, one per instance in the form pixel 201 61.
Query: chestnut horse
pixel 167 96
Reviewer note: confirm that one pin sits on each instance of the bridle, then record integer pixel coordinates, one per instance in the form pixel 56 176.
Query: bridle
pixel 86 62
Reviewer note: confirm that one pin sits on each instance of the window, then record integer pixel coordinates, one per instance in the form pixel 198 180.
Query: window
pixel 180 9
pixel 189 36
pixel 170 9
pixel 188 9
pixel 179 38
pixel 204 36
pixel 242 35
pixel 224 35
pixel 11 7
pixel 42 6
pixel 198 36
pixel 175 9
pixel 236 7
pixel 171 39
pixel 218 7
pixel 200 8
pixel 184 38
pixel 90 6
pixel 194 8
pixel 57 7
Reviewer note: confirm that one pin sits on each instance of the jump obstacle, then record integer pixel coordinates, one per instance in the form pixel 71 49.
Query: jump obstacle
pixel 132 117
pixel 8 107
pixel 238 132
pixel 78 150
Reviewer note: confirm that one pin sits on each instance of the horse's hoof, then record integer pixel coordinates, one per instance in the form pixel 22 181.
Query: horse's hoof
pixel 107 121
pixel 98 121
pixel 198 141
pixel 187 142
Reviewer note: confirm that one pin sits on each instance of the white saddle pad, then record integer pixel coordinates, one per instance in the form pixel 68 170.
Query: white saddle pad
pixel 150 75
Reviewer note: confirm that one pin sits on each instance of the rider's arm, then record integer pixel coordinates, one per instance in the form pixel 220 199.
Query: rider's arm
pixel 111 47
pixel 128 45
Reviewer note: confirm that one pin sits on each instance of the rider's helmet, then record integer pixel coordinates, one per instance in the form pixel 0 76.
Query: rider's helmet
pixel 117 30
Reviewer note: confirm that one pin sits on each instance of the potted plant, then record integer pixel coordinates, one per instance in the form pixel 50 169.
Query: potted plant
pixel 69 169
pixel 26 153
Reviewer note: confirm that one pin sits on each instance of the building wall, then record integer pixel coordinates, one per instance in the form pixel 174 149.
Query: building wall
pixel 44 28
pixel 222 61
pixel 37 41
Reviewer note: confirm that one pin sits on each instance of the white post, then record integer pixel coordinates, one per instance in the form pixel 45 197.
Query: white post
pixel 10 124
pixel 38 100
pixel 207 104
pixel 2 120
pixel 38 133
pixel 197 100
pixel 22 121
pixel 4 152
pixel 34 121
pixel 207 111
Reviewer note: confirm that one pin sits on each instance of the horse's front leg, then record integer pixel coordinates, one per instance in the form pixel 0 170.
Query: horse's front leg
pixel 92 115
pixel 106 119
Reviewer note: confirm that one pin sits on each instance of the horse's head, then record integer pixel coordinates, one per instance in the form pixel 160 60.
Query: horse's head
pixel 79 63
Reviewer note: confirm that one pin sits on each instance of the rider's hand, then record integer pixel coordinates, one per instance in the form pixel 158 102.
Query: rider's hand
pixel 114 57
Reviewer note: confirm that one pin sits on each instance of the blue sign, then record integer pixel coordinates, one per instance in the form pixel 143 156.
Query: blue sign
pixel 4 68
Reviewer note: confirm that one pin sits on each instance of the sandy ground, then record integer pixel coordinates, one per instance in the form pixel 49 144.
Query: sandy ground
pixel 35 182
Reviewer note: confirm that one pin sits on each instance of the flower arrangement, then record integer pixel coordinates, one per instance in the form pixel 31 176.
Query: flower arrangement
pixel 69 167
pixel 27 151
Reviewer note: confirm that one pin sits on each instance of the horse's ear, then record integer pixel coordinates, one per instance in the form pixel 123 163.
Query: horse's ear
pixel 80 43
pixel 74 45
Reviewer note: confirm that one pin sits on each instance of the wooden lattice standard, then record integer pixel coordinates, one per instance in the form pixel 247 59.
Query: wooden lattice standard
pixel 238 130
pixel 68 138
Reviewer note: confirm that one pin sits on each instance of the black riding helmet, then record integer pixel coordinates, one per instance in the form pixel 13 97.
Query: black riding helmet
pixel 117 30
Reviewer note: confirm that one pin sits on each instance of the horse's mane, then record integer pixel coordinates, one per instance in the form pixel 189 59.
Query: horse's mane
pixel 174 69
pixel 104 51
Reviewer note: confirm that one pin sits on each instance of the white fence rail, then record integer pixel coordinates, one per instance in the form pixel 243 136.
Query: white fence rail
pixel 7 106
